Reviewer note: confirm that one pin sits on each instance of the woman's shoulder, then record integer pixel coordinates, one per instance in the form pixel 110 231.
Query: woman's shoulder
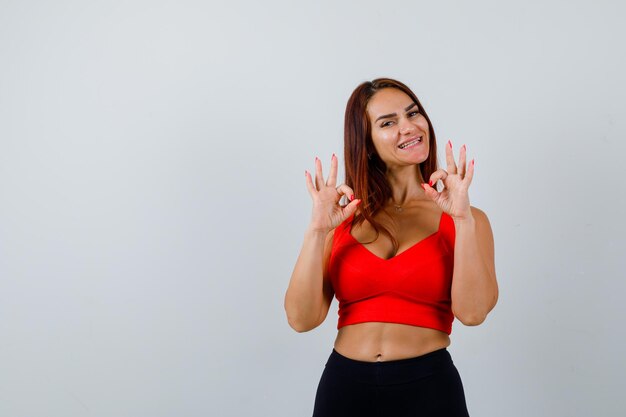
pixel 483 226
pixel 480 218
pixel 478 214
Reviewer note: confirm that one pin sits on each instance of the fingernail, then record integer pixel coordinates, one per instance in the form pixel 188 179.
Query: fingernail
pixel 351 197
pixel 463 147
pixel 472 162
pixel 358 202
pixel 334 155
pixel 449 143
pixel 430 183
pixel 305 172
pixel 316 159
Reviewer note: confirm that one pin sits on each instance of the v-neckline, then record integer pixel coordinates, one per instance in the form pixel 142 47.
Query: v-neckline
pixel 349 230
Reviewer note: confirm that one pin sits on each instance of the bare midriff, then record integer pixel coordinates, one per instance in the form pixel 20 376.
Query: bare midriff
pixel 378 341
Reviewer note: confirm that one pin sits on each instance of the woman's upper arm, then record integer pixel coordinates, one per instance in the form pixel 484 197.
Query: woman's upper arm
pixel 486 244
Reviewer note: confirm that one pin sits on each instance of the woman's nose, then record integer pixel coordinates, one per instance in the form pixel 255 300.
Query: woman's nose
pixel 406 127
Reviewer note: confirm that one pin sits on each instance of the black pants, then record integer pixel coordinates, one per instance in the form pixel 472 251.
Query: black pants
pixel 428 385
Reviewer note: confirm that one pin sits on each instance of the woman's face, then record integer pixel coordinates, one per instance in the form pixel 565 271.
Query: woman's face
pixel 399 132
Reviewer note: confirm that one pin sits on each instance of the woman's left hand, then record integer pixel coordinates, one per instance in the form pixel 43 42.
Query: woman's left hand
pixel 453 199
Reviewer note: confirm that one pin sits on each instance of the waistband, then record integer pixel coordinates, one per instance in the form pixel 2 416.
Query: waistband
pixel 392 372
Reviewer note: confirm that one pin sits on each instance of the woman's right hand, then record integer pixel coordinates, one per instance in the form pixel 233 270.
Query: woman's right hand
pixel 327 213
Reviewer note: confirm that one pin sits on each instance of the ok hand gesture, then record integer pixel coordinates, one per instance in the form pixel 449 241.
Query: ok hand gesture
pixel 327 213
pixel 454 198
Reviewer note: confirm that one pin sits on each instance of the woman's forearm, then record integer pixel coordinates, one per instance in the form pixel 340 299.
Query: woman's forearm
pixel 474 286
pixel 304 296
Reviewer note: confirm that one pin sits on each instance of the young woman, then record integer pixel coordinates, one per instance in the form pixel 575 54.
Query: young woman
pixel 402 258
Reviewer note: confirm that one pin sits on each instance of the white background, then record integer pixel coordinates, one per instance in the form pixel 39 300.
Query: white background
pixel 153 201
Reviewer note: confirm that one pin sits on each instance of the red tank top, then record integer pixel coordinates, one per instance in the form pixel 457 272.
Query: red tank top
pixel 411 288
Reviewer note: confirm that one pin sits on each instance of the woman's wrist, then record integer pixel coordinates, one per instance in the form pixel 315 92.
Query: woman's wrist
pixel 315 230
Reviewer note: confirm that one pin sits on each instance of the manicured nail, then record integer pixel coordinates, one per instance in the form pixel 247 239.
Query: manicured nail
pixel 449 143
pixel 352 197
pixel 430 183
pixel 305 172
pixel 316 159
pixel 334 155
pixel 463 147
pixel 358 202
pixel 472 162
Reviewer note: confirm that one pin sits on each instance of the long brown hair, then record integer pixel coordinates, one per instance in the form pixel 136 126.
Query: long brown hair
pixel 365 171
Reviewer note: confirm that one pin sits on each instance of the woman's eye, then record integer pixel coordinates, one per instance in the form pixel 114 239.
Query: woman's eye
pixel 413 113
pixel 386 123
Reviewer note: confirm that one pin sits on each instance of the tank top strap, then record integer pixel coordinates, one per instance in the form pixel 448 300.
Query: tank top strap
pixel 341 230
pixel 448 231
pixel 344 227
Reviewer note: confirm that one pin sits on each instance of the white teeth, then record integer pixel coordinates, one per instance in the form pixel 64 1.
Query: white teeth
pixel 404 145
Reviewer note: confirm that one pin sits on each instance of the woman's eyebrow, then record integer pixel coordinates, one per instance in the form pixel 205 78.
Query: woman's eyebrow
pixel 384 116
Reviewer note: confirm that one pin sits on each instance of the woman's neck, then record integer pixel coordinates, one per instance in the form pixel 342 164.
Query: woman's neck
pixel 405 185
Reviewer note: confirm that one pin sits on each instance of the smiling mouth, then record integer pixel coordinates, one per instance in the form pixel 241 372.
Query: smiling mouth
pixel 410 143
